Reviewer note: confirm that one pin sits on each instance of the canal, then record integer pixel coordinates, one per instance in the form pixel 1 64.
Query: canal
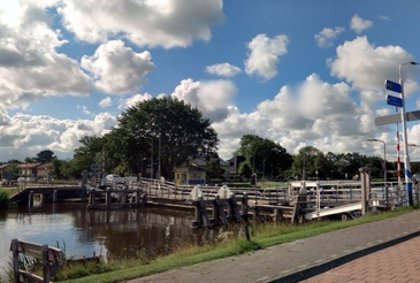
pixel 113 234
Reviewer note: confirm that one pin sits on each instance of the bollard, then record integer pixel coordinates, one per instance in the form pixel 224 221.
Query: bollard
pixel 55 196
pixel 365 184
pixel 31 199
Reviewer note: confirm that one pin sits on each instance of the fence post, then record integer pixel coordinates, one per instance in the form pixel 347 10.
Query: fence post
pixel 15 253
pixel 365 185
pixel 45 263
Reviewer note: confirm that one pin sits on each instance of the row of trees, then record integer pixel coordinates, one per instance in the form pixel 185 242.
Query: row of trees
pixel 167 132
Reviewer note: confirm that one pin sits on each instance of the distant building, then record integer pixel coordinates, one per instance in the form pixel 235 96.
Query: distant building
pixel 3 168
pixel 234 164
pixel 192 172
pixel 45 170
pixel 28 169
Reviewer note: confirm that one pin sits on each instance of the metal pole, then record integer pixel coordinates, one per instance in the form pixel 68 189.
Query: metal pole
pixel 408 182
pixel 385 175
pixel 151 159
pixel 159 158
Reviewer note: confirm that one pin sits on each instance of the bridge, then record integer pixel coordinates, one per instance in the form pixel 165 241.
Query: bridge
pixel 48 192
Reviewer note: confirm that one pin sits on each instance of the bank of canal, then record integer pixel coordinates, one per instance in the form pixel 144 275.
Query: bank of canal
pixel 123 233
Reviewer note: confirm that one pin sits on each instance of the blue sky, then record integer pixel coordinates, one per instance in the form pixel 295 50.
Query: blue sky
pixel 297 72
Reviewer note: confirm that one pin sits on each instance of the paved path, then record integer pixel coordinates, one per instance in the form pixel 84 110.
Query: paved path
pixel 301 259
pixel 397 264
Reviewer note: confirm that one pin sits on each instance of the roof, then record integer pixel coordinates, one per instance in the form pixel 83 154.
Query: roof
pixel 46 165
pixel 2 166
pixel 28 165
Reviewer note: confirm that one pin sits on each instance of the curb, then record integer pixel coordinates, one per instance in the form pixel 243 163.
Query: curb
pixel 324 267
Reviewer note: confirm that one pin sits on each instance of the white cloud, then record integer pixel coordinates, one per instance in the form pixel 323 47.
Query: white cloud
pixel 359 24
pixel 85 110
pixel 223 69
pixel 25 135
pixel 367 66
pixel 264 54
pixel 151 23
pixel 315 113
pixel 118 69
pixel 133 100
pixel 106 102
pixel 30 66
pixel 212 97
pixel 326 36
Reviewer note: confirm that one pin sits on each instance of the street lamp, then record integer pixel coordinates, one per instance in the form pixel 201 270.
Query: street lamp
pixel 408 181
pixel 385 179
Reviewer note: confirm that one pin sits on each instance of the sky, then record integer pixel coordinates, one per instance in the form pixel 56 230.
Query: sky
pixel 297 72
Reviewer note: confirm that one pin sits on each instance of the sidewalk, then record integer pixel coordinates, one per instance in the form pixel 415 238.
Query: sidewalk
pixel 301 259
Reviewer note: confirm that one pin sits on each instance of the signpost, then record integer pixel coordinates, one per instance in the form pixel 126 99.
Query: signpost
pixel 396 118
pixel 394 101
pixel 393 86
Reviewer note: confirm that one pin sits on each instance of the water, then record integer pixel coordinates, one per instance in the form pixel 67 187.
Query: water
pixel 122 233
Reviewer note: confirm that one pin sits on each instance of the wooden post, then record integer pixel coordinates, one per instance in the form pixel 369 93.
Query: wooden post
pixel 84 182
pixel 365 184
pixel 108 199
pixel 31 199
pixel 55 196
pixel 15 253
pixel 234 210
pixel 46 264
pixel 91 202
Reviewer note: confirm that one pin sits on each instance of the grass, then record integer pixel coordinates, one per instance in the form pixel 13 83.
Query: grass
pixel 10 190
pixel 263 236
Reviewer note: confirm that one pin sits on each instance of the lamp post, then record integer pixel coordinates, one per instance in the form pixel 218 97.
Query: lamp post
pixel 408 181
pixel 384 166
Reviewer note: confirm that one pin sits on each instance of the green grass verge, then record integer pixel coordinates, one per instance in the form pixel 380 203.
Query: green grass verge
pixel 10 190
pixel 263 236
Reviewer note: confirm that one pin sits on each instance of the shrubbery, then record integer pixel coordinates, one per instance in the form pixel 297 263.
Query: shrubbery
pixel 4 200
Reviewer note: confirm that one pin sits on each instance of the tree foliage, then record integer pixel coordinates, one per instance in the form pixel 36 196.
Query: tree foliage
pixel 164 127
pixel 264 156
pixel 45 156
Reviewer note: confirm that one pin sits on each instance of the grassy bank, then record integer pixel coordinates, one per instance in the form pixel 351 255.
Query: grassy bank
pixel 262 236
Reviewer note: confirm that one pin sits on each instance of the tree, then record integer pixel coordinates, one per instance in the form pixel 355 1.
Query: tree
pixel 213 169
pixel 88 153
pixel 176 131
pixel 264 156
pixel 45 156
pixel 310 162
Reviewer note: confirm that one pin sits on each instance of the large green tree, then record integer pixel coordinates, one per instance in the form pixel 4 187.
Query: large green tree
pixel 310 163
pixel 45 156
pixel 161 127
pixel 264 156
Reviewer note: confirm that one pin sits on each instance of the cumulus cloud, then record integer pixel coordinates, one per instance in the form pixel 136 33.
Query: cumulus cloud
pixel 359 24
pixel 117 68
pixel 106 102
pixel 211 97
pixel 315 112
pixel 30 66
pixel 145 23
pixel 25 135
pixel 264 54
pixel 223 70
pixel 326 36
pixel 365 66
pixel 133 100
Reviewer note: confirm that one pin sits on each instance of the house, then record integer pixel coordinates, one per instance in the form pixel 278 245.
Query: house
pixel 28 169
pixel 192 172
pixel 3 169
pixel 45 170
pixel 234 164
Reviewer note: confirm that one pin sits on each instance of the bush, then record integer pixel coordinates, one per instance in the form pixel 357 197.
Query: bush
pixel 4 200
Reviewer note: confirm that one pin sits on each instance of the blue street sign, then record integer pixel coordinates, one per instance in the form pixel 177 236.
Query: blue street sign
pixel 393 86
pixel 394 101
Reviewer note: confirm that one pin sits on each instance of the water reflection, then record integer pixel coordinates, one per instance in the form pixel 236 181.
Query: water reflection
pixel 142 232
